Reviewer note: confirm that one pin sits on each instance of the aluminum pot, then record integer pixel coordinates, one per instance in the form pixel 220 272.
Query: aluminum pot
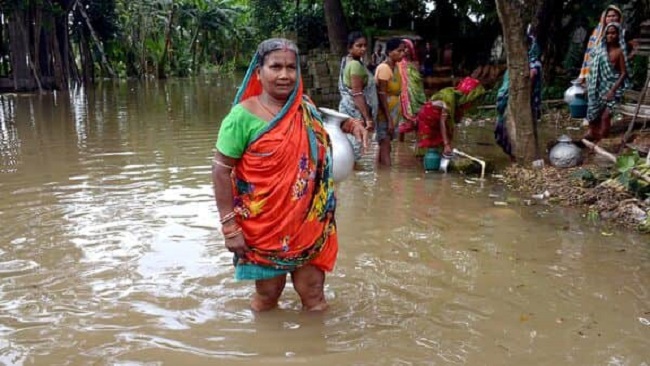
pixel 572 91
pixel 342 151
pixel 565 154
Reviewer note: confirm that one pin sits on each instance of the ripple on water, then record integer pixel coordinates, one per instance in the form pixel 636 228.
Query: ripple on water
pixel 16 267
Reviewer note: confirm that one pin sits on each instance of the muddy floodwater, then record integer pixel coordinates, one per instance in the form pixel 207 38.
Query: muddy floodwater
pixel 111 253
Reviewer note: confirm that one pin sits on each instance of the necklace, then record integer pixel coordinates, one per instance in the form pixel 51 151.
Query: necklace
pixel 266 109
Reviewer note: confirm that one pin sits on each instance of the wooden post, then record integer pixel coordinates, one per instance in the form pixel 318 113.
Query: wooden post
pixel 626 135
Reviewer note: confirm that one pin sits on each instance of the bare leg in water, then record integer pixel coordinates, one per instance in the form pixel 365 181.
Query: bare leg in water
pixel 309 282
pixel 267 293
pixel 599 129
pixel 605 123
pixel 384 152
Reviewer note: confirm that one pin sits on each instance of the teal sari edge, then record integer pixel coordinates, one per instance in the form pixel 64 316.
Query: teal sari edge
pixel 244 272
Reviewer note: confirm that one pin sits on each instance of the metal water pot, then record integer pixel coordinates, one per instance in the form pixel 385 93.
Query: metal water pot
pixel 574 89
pixel 565 154
pixel 342 151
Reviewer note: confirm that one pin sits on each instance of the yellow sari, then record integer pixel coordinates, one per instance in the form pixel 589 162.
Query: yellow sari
pixel 393 95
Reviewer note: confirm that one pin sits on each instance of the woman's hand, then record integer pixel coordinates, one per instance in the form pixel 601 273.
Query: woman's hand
pixel 447 150
pixel 359 132
pixel 370 124
pixel 237 245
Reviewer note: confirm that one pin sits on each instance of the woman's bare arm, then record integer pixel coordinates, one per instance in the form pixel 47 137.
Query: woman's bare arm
pixel 222 186
pixel 360 99
pixel 382 91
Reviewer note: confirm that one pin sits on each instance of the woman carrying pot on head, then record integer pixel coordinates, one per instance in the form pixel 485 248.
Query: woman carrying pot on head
pixel 357 87
pixel 389 90
pixel 272 177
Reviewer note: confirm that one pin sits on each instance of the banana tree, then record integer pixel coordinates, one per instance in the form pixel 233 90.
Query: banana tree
pixel 210 17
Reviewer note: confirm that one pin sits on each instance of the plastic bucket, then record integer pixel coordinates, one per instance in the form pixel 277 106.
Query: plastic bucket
pixel 431 160
pixel 578 107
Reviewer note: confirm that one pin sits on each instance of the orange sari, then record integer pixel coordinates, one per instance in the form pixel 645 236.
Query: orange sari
pixel 283 191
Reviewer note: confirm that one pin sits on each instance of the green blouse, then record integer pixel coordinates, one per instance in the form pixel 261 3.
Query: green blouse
pixel 354 68
pixel 237 131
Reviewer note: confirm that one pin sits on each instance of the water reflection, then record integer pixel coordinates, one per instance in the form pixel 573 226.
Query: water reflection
pixel 110 253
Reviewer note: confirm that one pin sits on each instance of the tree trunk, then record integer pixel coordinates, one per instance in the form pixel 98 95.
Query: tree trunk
pixel 87 62
pixel 63 41
pixel 193 49
pixel 168 41
pixel 513 15
pixel 57 63
pixel 19 50
pixel 336 26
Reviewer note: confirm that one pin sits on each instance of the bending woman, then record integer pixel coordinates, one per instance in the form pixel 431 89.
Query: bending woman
pixel 276 199
pixel 438 117
pixel 357 86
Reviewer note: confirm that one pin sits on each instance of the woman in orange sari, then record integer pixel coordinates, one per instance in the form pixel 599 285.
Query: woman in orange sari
pixel 272 177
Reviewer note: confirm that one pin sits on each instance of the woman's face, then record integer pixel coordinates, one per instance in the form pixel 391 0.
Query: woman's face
pixel 358 48
pixel 407 51
pixel 611 35
pixel 278 74
pixel 612 16
pixel 397 54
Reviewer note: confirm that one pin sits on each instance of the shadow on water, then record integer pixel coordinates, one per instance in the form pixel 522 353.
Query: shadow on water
pixel 110 253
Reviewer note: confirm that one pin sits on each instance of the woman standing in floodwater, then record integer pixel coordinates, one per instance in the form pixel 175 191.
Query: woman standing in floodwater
pixel 389 90
pixel 273 185
pixel 357 86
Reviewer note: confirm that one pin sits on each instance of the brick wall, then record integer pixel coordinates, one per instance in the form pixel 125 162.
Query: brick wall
pixel 320 75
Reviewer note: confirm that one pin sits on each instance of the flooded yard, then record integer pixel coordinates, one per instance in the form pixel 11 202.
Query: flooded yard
pixel 110 254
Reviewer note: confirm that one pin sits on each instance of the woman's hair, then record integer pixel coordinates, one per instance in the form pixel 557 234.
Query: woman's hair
pixel 353 37
pixel 274 44
pixel 393 44
pixel 614 9
pixel 616 26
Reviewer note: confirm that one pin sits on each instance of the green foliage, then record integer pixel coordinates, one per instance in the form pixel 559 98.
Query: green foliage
pixel 586 177
pixel 553 92
pixel 134 33
pixel 625 164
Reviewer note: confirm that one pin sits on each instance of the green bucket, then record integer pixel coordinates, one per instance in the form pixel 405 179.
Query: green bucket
pixel 431 160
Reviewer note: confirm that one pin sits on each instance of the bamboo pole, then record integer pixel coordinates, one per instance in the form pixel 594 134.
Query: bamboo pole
pixel 104 60
pixel 611 157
